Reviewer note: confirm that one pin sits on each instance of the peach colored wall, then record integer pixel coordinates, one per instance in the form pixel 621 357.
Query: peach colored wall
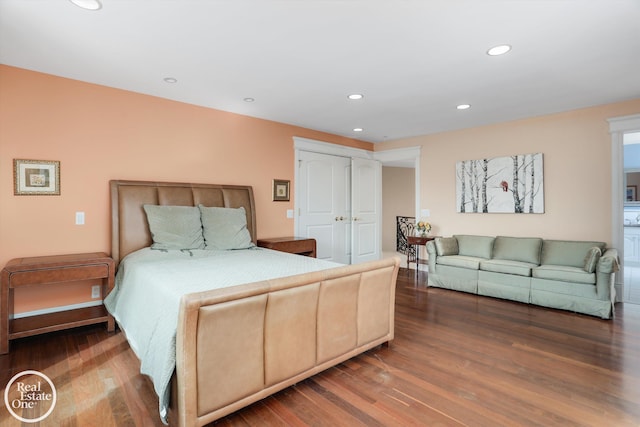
pixel 577 173
pixel 100 133
pixel 399 199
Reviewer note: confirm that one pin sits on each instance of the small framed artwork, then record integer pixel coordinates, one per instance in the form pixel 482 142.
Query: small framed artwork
pixel 280 190
pixel 36 177
pixel 632 193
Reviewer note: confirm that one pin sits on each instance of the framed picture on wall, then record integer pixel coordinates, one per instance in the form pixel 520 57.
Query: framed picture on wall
pixel 632 193
pixel 281 190
pixel 36 177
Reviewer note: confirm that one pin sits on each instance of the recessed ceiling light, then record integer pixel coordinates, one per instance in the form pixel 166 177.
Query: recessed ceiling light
pixel 356 96
pixel 249 99
pixel 88 4
pixel 499 50
pixel 358 129
pixel 170 80
pixel 463 106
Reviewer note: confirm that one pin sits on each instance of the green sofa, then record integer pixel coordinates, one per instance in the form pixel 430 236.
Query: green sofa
pixel 563 274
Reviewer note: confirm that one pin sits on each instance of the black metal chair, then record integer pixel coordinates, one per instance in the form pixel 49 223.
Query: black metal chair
pixel 404 227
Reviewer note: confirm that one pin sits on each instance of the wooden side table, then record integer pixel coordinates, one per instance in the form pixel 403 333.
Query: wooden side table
pixel 294 245
pixel 46 270
pixel 418 241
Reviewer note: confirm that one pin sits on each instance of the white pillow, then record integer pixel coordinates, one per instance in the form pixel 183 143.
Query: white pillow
pixel 225 228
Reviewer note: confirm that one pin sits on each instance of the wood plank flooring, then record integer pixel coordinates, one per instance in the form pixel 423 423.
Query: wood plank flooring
pixel 457 360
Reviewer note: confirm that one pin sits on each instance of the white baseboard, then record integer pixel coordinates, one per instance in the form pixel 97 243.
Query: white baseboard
pixel 56 309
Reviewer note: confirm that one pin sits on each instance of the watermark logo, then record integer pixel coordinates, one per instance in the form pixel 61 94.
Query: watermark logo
pixel 30 396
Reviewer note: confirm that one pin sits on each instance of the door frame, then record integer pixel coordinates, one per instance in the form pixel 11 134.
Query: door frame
pixel 409 157
pixel 618 126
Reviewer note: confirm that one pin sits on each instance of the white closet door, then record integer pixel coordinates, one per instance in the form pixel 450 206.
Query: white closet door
pixel 366 176
pixel 325 204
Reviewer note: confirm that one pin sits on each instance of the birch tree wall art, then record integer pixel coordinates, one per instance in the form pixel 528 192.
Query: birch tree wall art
pixel 512 184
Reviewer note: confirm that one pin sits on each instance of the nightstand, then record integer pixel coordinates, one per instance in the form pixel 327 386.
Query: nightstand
pixel 294 245
pixel 47 270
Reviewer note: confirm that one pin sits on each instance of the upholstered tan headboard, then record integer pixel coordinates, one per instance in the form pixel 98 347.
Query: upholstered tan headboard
pixel 129 228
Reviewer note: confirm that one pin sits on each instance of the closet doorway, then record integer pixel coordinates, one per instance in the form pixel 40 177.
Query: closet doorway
pixel 338 201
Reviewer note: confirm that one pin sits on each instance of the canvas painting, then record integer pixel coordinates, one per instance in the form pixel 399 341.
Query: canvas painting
pixel 510 184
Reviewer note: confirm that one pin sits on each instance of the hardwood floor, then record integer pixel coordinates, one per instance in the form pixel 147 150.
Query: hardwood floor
pixel 457 360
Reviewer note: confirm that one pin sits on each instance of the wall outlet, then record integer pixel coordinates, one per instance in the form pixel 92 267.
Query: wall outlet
pixel 95 291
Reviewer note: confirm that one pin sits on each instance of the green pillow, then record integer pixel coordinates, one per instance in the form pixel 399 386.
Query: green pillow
pixel 446 246
pixel 225 228
pixel 175 227
pixel 591 259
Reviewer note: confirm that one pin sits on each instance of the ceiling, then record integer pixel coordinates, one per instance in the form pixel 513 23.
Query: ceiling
pixel 413 60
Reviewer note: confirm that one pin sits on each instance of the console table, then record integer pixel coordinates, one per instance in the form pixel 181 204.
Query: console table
pixel 46 270
pixel 418 241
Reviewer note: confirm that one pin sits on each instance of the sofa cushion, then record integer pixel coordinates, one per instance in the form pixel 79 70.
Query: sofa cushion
pixel 518 268
pixel 472 263
pixel 564 273
pixel 591 259
pixel 475 246
pixel 565 252
pixel 524 249
pixel 446 246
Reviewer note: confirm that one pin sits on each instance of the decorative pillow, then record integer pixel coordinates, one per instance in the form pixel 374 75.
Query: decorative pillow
pixel 225 228
pixel 175 227
pixel 591 259
pixel 446 246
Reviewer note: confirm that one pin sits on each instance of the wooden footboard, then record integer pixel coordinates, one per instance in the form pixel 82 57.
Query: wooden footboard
pixel 238 345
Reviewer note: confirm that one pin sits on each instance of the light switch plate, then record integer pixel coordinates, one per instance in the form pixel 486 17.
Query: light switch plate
pixel 79 218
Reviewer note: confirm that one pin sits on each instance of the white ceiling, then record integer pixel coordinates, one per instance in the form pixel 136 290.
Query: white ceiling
pixel 414 61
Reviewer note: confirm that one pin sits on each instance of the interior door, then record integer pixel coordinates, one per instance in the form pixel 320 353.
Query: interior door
pixel 366 214
pixel 325 204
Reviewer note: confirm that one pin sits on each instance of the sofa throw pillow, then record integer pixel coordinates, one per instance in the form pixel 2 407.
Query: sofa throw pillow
pixel 446 246
pixel 175 227
pixel 225 228
pixel 591 259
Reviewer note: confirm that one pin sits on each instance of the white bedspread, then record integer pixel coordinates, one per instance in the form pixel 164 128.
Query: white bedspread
pixel 150 283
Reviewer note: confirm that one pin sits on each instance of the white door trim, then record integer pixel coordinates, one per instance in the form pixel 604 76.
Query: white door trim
pixel 618 126
pixel 321 147
pixel 411 155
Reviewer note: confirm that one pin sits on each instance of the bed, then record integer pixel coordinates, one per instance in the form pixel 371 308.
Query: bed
pixel 264 321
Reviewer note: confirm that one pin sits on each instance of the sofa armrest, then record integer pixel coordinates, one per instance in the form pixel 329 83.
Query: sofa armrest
pixel 432 255
pixel 608 262
pixel 606 267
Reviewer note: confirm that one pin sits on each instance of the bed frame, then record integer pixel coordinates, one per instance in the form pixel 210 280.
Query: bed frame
pixel 238 345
